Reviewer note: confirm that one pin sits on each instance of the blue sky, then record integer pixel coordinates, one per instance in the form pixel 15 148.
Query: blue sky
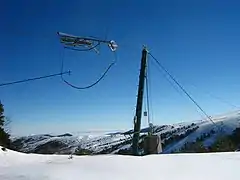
pixel 198 41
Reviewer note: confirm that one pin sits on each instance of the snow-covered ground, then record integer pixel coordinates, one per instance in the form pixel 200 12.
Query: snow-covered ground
pixel 217 166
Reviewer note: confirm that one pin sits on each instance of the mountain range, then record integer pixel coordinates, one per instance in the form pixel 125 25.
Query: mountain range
pixel 174 138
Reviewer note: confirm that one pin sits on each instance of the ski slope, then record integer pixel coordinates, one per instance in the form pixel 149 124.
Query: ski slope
pixel 218 166
pixel 224 125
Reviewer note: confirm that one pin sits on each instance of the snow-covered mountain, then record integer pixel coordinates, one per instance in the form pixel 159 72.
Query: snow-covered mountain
pixel 20 166
pixel 174 137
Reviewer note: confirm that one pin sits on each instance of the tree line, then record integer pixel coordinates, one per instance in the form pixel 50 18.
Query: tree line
pixel 222 143
pixel 4 135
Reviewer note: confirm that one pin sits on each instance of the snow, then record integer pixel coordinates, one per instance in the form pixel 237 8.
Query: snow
pixel 127 146
pixel 228 122
pixel 219 166
pixel 94 143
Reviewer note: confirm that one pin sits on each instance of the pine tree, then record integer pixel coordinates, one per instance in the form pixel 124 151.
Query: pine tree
pixel 223 144
pixel 1 115
pixel 4 137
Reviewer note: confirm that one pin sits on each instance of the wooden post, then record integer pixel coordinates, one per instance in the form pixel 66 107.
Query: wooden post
pixel 138 115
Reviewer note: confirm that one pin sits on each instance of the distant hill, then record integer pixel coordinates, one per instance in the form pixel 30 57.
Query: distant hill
pixel 175 138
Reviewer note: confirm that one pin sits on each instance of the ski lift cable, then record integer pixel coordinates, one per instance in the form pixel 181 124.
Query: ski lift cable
pixel 35 78
pixel 183 89
pixel 88 86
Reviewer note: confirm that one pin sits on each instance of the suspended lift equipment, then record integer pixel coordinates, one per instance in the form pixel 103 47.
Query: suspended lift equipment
pixel 78 43
pixel 84 43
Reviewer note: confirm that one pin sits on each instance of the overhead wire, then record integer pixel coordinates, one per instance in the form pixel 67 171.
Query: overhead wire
pixel 205 92
pixel 147 94
pixel 145 107
pixel 218 98
pixel 93 84
pixel 149 115
pixel 183 89
pixel 173 85
pixel 149 91
pixel 35 78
